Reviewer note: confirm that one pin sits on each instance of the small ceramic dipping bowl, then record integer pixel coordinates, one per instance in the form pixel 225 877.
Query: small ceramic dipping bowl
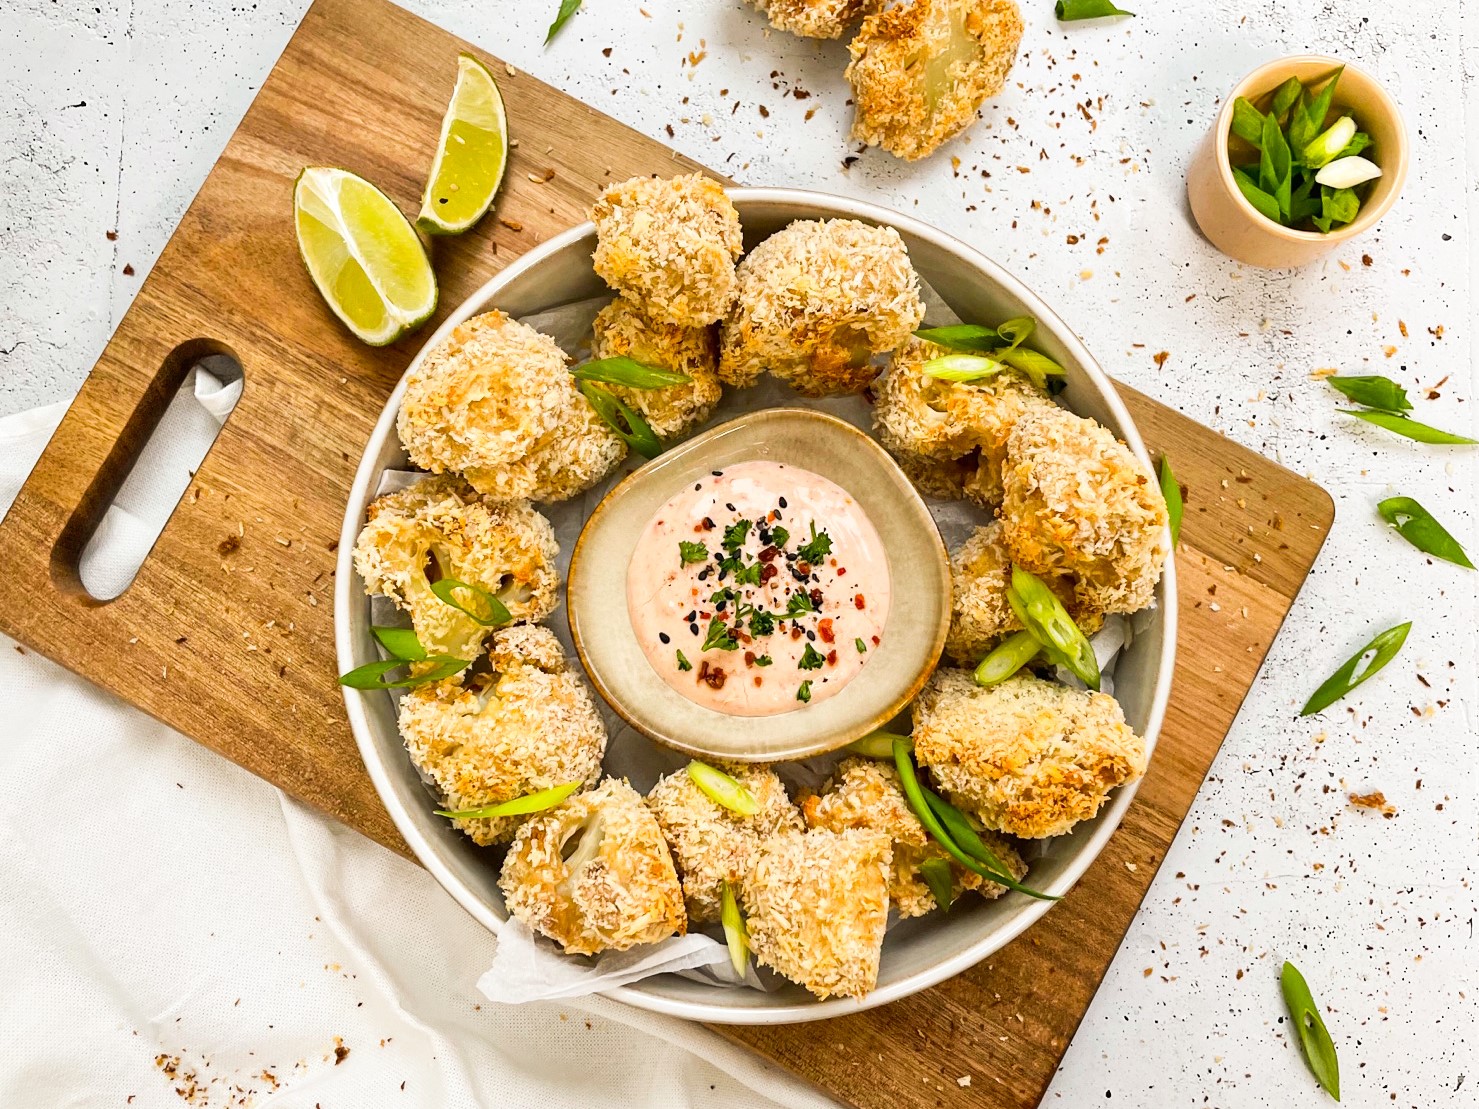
pixel 1235 227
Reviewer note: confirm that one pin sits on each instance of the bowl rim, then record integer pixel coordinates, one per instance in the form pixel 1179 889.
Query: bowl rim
pixel 817 205
pixel 1369 215
pixel 863 441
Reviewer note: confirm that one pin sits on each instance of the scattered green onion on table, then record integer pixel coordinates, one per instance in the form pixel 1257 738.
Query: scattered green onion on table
pixel 722 789
pixel 1068 11
pixel 1358 668
pixel 567 9
pixel 519 806
pixel 1416 524
pixel 1314 1037
pixel 1373 391
pixel 1409 428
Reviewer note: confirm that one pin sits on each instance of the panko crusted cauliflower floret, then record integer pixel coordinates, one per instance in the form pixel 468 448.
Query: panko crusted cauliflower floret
pixel 712 844
pixel 528 724
pixel 495 402
pixel 622 330
pixel 816 906
pixel 671 245
pixel 865 794
pixel 816 19
pixel 1028 757
pixel 1077 501
pixel 950 437
pixel 980 571
pixel 441 527
pixel 594 874
pixel 816 301
pixel 921 70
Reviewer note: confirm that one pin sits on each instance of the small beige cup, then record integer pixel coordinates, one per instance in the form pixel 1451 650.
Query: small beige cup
pixel 1235 227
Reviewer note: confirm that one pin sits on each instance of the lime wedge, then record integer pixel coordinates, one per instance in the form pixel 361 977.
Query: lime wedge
pixel 471 154
pixel 363 254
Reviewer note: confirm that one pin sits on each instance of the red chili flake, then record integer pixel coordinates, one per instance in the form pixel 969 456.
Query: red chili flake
pixel 832 658
pixel 707 524
pixel 803 568
pixel 795 632
pixel 816 597
pixel 758 679
pixel 749 658
pixel 859 603
pixel 824 629
pixel 769 553
pixel 842 571
pixel 875 641
pixel 715 679
pixel 768 572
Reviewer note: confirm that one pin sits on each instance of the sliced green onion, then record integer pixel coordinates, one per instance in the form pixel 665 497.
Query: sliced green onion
pixel 519 806
pixel 1262 202
pixel 736 935
pixel 1038 367
pixel 1247 121
pixel 959 829
pixel 621 370
pixel 1410 429
pixel 723 790
pixel 1310 118
pixel 961 336
pixel 1358 668
pixel 1171 491
pixel 1373 391
pixel 1314 1037
pixel 1007 657
pixel 370 675
pixel 567 9
pixel 877 745
pixel 1069 10
pixel 963 369
pixel 1042 614
pixel 936 875
pixel 400 642
pixel 1276 165
pixel 1017 330
pixel 490 611
pixel 1285 96
pixel 636 432
pixel 1326 146
pixel 1417 525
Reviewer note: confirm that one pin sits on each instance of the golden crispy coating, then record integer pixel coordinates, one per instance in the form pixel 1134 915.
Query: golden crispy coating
pixel 1029 757
pixel 865 793
pixel 622 329
pixel 440 526
pixel 816 19
pixel 712 844
pixel 671 245
pixel 816 906
pixel 816 301
pixel 527 725
pixel 980 571
pixel 1077 501
pixel 921 70
pixel 962 428
pixel 594 874
pixel 496 402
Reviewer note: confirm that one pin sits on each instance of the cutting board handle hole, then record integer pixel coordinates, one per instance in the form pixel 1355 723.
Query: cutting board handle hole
pixel 149 471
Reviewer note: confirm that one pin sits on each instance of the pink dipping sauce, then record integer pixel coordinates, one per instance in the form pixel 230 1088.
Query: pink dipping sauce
pixel 759 589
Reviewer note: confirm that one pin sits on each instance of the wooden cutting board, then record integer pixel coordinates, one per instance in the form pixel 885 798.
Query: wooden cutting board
pixel 226 634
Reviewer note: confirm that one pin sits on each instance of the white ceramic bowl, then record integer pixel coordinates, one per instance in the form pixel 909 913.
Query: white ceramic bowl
pixel 919 952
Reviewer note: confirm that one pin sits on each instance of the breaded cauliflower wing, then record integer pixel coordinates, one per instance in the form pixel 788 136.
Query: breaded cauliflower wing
pixel 1030 758
pixel 495 401
pixel 816 301
pixel 865 794
pixel 816 19
pixel 1077 501
pixel 816 906
pixel 921 70
pixel 594 874
pixel 671 245
pixel 527 725
pixel 712 844
pixel 441 528
pixel 622 330
pixel 961 428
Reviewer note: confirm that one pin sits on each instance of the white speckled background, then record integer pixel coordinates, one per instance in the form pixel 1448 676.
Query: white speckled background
pixel 110 119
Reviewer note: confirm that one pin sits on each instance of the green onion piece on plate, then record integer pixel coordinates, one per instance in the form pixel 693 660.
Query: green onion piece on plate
pixel 961 336
pixel 1044 616
pixel 1171 491
pixel 736 935
pixel 1017 330
pixel 958 827
pixel 1374 391
pixel 1410 429
pixel 519 806
pixel 400 642
pixel 1069 10
pixel 1416 525
pixel 936 875
pixel 622 370
pixel 1007 657
pixel 1358 668
pixel 372 674
pixel 963 369
pixel 1038 367
pixel 479 604
pixel 1314 1037
pixel 723 790
pixel 877 745
pixel 636 432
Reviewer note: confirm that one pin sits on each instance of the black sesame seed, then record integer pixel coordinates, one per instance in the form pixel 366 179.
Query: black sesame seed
pixel 783 503
pixel 703 575
pixel 731 508
pixel 693 628
pixel 664 637
pixel 812 636
pixel 697 486
pixel 692 616
pixel 717 473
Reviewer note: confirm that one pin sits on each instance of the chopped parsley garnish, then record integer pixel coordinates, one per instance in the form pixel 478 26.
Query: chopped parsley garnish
pixel 735 533
pixel 804 693
pixel 722 596
pixel 818 548
pixel 860 645
pixel 779 536
pixel 762 623
pixel 764 660
pixel 683 663
pixel 811 659
pixel 799 602
pixel 719 637
pixel 691 552
pixel 747 575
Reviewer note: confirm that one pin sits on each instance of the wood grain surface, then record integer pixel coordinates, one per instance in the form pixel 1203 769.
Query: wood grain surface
pixel 227 636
